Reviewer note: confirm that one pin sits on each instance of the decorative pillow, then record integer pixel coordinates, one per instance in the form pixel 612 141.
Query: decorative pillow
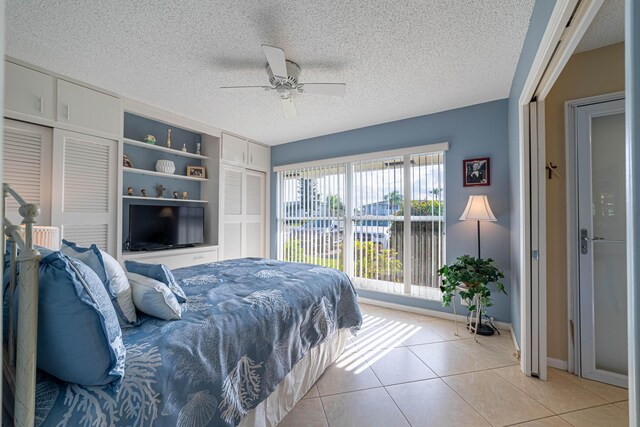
pixel 79 339
pixel 159 272
pixel 120 284
pixel 90 256
pixel 153 297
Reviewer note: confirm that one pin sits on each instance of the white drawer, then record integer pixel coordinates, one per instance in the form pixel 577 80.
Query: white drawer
pixel 174 258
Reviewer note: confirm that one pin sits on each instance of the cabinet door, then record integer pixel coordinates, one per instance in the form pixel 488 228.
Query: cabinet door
pixel 259 156
pixel 87 108
pixel 231 215
pixel 27 167
pixel 254 238
pixel 234 149
pixel 28 92
pixel 85 188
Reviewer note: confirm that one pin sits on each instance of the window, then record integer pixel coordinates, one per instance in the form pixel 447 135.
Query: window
pixel 350 214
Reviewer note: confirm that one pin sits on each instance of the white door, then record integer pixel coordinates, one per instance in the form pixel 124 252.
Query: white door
pixel 602 234
pixel 254 214
pixel 27 167
pixel 85 189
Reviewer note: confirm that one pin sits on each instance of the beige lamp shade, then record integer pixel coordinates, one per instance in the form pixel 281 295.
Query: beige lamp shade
pixel 478 209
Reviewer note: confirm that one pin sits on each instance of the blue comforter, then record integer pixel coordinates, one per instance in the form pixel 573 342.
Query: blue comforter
pixel 244 326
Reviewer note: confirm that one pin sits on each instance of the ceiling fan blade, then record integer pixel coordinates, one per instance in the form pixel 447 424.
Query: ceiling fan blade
pixel 247 87
pixel 275 57
pixel 289 108
pixel 330 89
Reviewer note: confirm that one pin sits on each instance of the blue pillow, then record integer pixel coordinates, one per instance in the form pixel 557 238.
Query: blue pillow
pixel 159 272
pixel 79 338
pixel 92 257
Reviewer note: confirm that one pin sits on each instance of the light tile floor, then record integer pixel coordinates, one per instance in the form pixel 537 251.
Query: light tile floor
pixel 405 369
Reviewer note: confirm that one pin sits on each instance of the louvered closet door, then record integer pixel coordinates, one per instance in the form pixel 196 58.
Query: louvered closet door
pixel 232 219
pixel 85 189
pixel 254 214
pixel 27 167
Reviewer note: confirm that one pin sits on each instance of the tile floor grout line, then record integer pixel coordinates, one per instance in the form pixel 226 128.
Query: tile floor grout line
pixel 545 406
pixel 465 401
pixel 324 411
pixel 391 397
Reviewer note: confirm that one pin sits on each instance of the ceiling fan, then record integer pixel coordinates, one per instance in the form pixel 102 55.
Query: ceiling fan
pixel 283 76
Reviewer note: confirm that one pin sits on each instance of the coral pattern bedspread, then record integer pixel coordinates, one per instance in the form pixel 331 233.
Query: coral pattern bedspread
pixel 244 326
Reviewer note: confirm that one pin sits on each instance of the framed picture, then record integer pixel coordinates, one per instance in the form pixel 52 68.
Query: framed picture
pixel 197 171
pixel 475 172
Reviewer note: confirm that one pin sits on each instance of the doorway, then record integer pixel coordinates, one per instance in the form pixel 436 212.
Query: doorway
pixel 600 227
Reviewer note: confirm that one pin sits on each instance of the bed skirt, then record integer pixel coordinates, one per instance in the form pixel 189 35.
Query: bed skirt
pixel 297 383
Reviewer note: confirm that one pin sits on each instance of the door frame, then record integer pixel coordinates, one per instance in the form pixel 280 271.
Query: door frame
pixel 569 21
pixel 573 252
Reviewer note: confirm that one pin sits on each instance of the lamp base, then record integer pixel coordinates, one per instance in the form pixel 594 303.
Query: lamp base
pixel 484 329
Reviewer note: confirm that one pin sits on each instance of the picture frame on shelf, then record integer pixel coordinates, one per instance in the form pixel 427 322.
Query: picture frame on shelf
pixel 197 171
pixel 476 172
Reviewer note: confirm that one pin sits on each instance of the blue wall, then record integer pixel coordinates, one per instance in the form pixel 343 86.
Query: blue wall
pixel 474 131
pixel 539 20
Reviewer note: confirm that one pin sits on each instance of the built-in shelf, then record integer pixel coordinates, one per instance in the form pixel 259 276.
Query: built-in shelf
pixel 165 199
pixel 163 149
pixel 164 175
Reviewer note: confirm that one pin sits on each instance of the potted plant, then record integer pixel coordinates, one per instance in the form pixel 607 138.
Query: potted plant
pixel 471 277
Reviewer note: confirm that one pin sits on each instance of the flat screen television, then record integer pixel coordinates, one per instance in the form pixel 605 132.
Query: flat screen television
pixel 164 227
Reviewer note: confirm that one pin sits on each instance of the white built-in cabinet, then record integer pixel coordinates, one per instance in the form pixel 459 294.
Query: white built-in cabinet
pixel 89 109
pixel 246 153
pixel 63 149
pixel 29 93
pixel 243 212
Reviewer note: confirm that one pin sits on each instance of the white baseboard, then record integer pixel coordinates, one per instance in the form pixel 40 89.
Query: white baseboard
pixel 515 342
pixel 503 326
pixel 557 363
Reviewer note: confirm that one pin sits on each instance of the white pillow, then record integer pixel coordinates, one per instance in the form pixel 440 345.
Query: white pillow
pixel 153 297
pixel 120 285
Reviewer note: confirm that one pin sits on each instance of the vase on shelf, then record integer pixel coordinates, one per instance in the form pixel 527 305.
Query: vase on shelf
pixel 169 138
pixel 165 166
pixel 198 149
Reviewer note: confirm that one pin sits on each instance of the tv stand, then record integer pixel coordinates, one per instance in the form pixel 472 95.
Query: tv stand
pixel 175 258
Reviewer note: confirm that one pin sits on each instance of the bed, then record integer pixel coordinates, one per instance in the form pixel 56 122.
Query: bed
pixel 255 335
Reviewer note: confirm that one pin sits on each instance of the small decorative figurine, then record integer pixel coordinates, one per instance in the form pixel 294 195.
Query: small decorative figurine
pixel 143 192
pixel 150 139
pixel 184 195
pixel 198 149
pixel 184 148
pixel 130 191
pixel 175 194
pixel 160 188
pixel 169 138
pixel 126 162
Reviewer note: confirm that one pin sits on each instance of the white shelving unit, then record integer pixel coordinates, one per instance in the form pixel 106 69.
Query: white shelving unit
pixel 163 149
pixel 166 199
pixel 164 175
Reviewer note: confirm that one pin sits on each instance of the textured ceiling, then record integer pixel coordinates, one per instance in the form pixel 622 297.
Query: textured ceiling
pixel 606 28
pixel 398 59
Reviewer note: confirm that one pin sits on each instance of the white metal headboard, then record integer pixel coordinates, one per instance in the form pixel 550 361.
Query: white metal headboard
pixel 20 355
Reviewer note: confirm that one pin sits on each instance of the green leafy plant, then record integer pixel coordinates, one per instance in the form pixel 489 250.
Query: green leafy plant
pixel 477 274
